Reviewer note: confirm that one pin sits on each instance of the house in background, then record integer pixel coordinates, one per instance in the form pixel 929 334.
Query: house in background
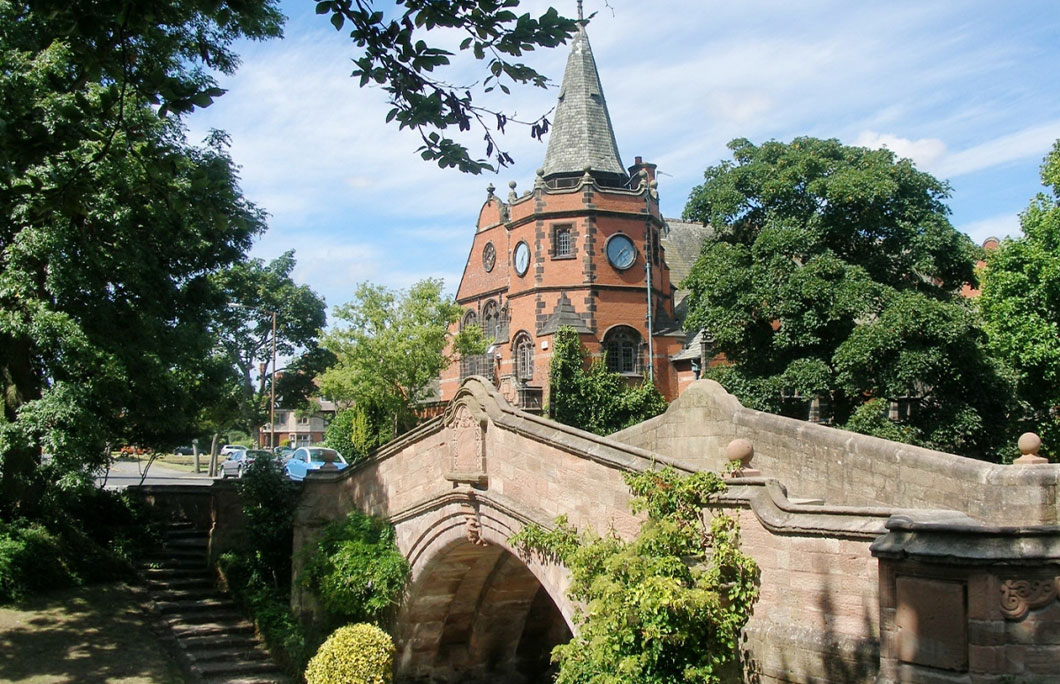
pixel 298 428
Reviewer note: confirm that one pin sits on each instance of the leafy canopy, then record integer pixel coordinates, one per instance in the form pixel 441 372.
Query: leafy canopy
pixel 391 346
pixel 833 272
pixel 594 398
pixel 110 223
pixel 394 55
pixel 665 607
pixel 1020 304
pixel 253 291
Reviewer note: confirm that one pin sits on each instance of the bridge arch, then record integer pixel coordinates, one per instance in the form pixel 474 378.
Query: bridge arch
pixel 476 609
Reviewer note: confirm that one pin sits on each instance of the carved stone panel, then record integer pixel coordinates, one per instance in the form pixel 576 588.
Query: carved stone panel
pixel 467 447
pixel 1018 597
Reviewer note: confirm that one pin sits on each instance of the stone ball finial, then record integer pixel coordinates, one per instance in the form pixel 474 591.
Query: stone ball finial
pixel 1029 444
pixel 490 189
pixel 512 184
pixel 743 451
pixel 541 172
pixel 328 457
pixel 654 183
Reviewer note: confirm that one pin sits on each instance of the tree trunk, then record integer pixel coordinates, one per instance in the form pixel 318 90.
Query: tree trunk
pixel 213 454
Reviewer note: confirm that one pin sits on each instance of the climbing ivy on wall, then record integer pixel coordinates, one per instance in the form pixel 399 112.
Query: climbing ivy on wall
pixel 667 606
pixel 593 398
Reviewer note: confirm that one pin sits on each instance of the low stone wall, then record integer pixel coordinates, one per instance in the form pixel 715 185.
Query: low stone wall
pixel 845 468
pixel 216 508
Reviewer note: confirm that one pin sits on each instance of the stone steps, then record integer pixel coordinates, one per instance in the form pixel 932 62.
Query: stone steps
pixel 216 643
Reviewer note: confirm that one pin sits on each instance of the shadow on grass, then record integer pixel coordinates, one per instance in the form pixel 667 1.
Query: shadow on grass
pixel 96 634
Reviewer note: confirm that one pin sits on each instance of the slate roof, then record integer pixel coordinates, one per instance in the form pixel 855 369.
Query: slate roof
pixel 682 242
pixel 562 315
pixel 582 135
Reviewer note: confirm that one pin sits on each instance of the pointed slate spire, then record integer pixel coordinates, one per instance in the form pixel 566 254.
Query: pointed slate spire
pixel 582 136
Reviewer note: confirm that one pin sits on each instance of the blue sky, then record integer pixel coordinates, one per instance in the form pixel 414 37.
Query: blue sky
pixel 969 90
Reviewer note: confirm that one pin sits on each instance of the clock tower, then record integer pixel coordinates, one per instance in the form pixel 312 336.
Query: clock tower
pixel 581 247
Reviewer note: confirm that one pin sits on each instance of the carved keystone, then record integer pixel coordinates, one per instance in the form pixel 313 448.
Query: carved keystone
pixel 743 451
pixel 1029 444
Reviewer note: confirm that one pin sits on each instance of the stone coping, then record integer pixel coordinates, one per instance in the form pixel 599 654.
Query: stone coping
pixel 967 542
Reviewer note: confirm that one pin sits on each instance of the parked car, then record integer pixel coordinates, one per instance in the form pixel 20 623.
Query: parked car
pixel 238 461
pixel 229 449
pixel 184 451
pixel 284 452
pixel 305 459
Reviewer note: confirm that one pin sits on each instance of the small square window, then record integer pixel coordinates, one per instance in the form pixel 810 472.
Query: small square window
pixel 562 242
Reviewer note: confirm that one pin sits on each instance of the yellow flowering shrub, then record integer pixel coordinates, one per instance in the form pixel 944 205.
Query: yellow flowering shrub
pixel 354 654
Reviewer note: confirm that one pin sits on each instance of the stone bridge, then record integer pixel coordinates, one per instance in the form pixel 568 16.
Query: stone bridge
pixel 881 562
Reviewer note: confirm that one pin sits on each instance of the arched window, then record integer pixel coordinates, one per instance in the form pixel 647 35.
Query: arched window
pixel 623 347
pixel 470 318
pixel 523 349
pixel 491 321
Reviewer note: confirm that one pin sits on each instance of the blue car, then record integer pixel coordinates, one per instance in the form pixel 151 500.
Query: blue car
pixel 305 459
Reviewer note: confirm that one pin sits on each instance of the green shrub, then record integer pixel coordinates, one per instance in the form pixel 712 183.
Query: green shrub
pixel 355 654
pixel 31 560
pixel 355 570
pixel 269 606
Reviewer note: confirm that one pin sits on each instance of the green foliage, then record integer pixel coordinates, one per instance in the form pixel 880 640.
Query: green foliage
pixel 355 431
pixel 354 654
pixel 253 291
pixel 833 272
pixel 258 574
pixel 84 535
pixel 355 569
pixel 665 607
pixel 595 399
pixel 394 54
pixel 110 223
pixel 391 346
pixel 1020 305
pixel 253 588
pixel 269 500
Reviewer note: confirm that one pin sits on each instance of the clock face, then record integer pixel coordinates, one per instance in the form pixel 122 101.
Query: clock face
pixel 489 256
pixel 521 258
pixel 621 252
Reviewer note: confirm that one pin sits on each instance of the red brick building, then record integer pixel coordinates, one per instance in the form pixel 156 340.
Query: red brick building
pixel 584 247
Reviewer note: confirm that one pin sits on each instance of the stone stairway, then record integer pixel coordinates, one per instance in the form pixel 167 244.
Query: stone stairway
pixel 217 644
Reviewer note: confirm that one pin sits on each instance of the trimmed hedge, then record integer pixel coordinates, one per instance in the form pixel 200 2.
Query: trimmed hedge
pixel 355 654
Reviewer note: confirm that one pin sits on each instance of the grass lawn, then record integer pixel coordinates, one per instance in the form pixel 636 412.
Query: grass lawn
pixel 100 634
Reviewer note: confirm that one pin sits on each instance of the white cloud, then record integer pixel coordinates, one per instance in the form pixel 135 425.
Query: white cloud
pixel 1029 143
pixel 924 152
pixel 999 226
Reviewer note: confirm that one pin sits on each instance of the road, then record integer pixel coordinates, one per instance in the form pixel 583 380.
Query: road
pixel 125 473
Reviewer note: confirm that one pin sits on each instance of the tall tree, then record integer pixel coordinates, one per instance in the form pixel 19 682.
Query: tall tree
pixel 255 292
pixel 834 273
pixel 1020 303
pixel 110 222
pixel 391 347
pixel 394 55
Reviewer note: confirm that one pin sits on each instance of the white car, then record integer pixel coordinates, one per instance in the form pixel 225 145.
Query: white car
pixel 230 449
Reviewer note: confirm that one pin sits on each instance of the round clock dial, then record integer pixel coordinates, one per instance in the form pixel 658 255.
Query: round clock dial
pixel 621 252
pixel 489 256
pixel 521 258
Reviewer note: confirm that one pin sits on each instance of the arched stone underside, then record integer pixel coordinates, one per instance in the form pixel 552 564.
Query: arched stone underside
pixel 477 614
pixel 475 610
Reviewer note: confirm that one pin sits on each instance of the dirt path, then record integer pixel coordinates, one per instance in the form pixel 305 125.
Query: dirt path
pixel 93 635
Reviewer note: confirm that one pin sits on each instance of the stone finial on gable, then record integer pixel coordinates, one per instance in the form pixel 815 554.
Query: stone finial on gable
pixel 512 196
